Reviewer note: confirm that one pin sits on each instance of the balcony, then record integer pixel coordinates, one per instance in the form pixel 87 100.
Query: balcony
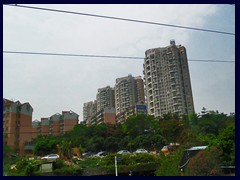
pixel 174 90
pixel 172 64
pixel 147 60
pixel 148 71
pixel 152 111
pixel 175 104
pixel 172 77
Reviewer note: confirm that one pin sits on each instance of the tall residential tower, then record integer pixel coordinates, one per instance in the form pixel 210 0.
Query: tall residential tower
pixel 167 81
pixel 89 110
pixel 129 91
pixel 105 98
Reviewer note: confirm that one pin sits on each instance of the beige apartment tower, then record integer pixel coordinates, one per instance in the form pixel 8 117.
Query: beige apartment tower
pixel 167 81
pixel 89 110
pixel 129 91
pixel 105 98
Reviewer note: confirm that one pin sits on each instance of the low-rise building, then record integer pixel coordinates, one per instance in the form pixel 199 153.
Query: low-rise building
pixel 17 124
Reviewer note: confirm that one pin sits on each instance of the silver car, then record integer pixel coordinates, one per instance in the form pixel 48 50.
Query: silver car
pixel 123 152
pixel 50 157
pixel 140 151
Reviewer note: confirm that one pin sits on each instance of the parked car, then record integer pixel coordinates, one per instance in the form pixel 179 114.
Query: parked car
pixel 50 157
pixel 102 153
pixel 123 152
pixel 165 150
pixel 140 151
pixel 87 154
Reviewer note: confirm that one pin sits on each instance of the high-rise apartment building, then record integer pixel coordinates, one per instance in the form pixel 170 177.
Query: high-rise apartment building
pixel 167 81
pixel 89 110
pixel 140 98
pixel 107 116
pixel 105 98
pixel 129 91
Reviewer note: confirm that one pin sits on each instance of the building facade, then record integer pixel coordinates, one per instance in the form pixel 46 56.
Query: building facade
pixel 89 110
pixel 17 124
pixel 167 81
pixel 129 91
pixel 36 128
pixel 19 129
pixel 107 116
pixel 55 124
pixel 105 98
pixel 69 120
pixel 131 111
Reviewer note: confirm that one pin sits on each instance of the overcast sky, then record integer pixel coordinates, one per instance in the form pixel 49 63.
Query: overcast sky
pixel 52 84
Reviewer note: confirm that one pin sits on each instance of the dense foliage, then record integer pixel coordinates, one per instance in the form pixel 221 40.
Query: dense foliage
pixel 209 128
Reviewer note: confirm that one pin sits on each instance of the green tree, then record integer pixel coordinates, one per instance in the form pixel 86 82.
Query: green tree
pixel 171 127
pixel 46 145
pixel 111 143
pixel 81 150
pixel 169 164
pixel 64 149
pixel 225 142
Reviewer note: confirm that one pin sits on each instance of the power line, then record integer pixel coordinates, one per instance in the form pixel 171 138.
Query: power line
pixel 64 54
pixel 122 19
pixel 100 56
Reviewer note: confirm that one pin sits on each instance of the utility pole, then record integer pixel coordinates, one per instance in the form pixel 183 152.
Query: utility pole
pixel 116 166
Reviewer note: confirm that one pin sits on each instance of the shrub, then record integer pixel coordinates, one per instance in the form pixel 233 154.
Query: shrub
pixel 68 171
pixel 205 163
pixel 58 164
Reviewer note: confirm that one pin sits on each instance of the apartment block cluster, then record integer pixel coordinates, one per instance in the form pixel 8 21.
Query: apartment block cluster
pixel 165 87
pixel 114 104
pixel 19 129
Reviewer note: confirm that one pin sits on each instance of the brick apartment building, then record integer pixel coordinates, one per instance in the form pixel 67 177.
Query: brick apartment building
pixel 69 120
pixel 17 124
pixel 19 129
pixel 57 124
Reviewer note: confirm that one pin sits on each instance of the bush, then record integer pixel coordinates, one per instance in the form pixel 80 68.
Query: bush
pixel 168 165
pixel 29 170
pixel 26 167
pixel 69 171
pixel 89 162
pixel 58 164
pixel 205 163
pixel 20 165
pixel 126 163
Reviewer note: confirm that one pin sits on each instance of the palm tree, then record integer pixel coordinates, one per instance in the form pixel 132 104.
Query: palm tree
pixel 64 149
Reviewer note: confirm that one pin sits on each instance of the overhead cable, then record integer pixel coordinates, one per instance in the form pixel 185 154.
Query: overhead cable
pixel 100 56
pixel 122 19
